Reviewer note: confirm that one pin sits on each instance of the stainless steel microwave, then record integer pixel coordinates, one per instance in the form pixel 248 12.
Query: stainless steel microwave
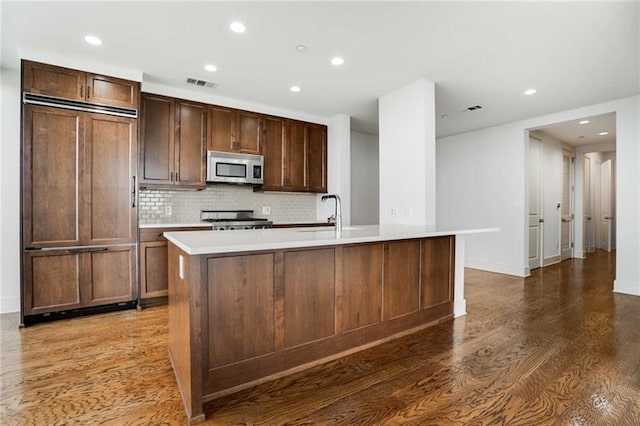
pixel 227 167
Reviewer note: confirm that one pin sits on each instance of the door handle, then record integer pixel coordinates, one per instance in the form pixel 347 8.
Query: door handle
pixel 540 220
pixel 133 192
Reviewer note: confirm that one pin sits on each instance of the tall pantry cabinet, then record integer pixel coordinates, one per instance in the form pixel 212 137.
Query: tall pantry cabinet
pixel 79 212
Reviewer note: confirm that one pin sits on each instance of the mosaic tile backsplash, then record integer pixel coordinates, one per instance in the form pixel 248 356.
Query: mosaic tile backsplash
pixel 185 206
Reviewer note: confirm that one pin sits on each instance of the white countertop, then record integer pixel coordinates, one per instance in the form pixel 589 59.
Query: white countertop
pixel 210 242
pixel 174 225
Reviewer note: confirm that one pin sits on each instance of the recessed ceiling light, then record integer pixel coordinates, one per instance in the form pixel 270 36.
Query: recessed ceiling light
pixel 585 122
pixel 295 88
pixel 211 68
pixel 337 61
pixel 444 116
pixel 237 27
pixel 92 40
pixel 603 133
pixel 301 48
pixel 530 92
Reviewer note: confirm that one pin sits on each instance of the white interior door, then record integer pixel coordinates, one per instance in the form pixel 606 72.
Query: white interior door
pixel 566 208
pixel 606 205
pixel 535 203
pixel 587 231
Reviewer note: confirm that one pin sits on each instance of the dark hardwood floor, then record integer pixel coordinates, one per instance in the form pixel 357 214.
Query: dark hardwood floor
pixel 556 348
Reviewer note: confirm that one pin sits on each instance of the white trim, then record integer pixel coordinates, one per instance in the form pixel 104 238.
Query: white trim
pixel 518 271
pixel 9 305
pixel 626 287
pixel 551 260
pixel 459 308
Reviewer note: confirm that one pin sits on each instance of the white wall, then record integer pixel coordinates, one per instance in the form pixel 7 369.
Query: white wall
pixel 10 193
pixel 481 180
pixel 339 169
pixel 365 185
pixel 407 155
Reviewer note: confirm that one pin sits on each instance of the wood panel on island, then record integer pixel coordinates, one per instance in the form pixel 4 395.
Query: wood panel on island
pixel 239 319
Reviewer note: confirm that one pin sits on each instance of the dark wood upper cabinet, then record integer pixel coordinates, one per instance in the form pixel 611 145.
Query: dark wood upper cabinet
pixel 221 130
pixel 190 140
pixel 77 85
pixel 274 134
pixel 317 158
pixel 232 130
pixel 55 81
pixel 156 139
pixel 112 91
pixel 248 135
pixel 295 156
pixel 172 149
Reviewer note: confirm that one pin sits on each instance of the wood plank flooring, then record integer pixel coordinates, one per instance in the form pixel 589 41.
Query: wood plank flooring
pixel 556 348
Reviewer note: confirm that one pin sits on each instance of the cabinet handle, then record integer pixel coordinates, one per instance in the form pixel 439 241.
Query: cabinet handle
pixel 133 192
pixel 171 176
pixel 88 92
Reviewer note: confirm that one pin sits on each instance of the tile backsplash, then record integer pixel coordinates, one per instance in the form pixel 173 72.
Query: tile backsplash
pixel 184 206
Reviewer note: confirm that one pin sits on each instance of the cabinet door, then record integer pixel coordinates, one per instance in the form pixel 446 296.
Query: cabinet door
pixel 317 158
pixel 190 144
pixel 157 140
pixel 362 286
pixel 51 281
pixel 110 215
pixel 309 296
pixel 53 81
pixel 110 275
pixel 273 151
pixel 53 146
pixel 112 91
pixel 295 157
pixel 401 278
pixel 221 125
pixel 153 269
pixel 437 271
pixel 248 136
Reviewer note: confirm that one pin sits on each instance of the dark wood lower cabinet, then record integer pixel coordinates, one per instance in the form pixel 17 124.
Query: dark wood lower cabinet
pixel 153 282
pixel 239 319
pixel 62 280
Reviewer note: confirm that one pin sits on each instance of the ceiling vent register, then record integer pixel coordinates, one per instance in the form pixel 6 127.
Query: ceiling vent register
pixel 201 83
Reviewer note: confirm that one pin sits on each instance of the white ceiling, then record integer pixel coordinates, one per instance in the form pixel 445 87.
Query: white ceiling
pixel 574 53
pixel 576 134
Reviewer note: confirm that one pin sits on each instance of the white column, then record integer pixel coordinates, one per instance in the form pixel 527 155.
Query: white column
pixel 338 168
pixel 407 155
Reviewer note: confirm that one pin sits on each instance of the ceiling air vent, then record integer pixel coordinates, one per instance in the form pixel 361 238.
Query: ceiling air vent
pixel 201 83
pixel 473 108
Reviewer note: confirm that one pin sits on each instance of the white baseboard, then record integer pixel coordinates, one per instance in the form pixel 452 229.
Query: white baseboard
pixel 551 260
pixel 518 271
pixel 459 308
pixel 9 305
pixel 626 287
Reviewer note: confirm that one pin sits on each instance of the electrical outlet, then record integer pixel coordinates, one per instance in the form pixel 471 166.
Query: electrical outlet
pixel 266 210
pixel 167 210
pixel 407 211
pixel 394 212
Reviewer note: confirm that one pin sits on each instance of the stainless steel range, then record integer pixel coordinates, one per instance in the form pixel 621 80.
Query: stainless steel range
pixel 223 220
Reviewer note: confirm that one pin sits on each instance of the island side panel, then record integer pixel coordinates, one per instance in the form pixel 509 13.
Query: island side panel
pixel 184 329
pixel 313 291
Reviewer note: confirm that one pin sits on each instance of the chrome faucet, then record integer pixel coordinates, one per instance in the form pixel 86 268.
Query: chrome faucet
pixel 337 215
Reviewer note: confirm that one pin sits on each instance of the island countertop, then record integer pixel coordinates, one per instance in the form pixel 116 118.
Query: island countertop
pixel 214 242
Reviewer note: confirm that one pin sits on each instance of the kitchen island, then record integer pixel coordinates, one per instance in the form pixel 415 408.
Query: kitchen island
pixel 250 306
